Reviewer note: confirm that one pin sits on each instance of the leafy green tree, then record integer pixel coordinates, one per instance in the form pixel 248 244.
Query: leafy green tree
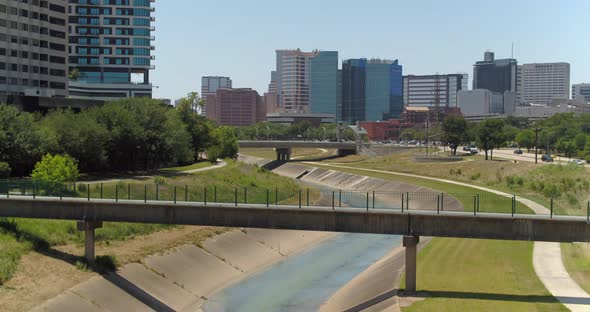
pixel 56 169
pixel 224 145
pixel 490 135
pixel 4 170
pixel 78 135
pixel 455 131
pixel 525 139
pixel 198 127
pixel 580 141
pixel 74 75
pixel 567 147
pixel 20 140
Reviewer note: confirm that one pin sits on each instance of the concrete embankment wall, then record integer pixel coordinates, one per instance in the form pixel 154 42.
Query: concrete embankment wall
pixel 183 278
pixel 421 197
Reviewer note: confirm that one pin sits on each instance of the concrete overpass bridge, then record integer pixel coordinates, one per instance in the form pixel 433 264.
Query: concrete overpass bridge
pixel 285 148
pixel 90 213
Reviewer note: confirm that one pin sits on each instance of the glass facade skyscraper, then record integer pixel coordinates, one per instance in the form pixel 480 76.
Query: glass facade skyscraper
pixel 495 75
pixel 371 90
pixel 324 82
pixel 111 46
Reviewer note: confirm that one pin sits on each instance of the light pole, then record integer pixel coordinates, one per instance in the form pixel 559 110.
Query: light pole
pixel 536 144
pixel 324 130
pixel 267 133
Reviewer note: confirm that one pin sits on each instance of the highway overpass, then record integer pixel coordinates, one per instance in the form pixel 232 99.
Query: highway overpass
pixel 90 213
pixel 284 148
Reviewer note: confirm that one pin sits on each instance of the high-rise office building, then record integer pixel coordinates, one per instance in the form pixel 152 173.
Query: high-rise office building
pixel 324 83
pixel 210 85
pixel 481 102
pixel 111 48
pixel 540 83
pixel 495 75
pixel 371 90
pixel 581 92
pixel 235 107
pixel 33 50
pixel 433 90
pixel 293 80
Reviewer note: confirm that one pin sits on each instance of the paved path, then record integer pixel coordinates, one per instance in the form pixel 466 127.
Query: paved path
pixel 547 260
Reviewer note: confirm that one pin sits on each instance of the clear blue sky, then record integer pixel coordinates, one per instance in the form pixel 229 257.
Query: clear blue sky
pixel 238 38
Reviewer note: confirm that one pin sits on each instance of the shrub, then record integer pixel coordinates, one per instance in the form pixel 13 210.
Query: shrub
pixel 4 170
pixel 56 169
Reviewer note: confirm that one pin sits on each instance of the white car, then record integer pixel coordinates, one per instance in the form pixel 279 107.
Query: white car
pixel 580 162
pixel 474 150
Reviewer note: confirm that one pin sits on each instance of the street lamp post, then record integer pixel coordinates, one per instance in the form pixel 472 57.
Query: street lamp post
pixel 536 144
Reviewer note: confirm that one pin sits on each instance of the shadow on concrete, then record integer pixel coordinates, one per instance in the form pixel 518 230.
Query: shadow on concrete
pixel 373 301
pixel 137 292
pixel 499 297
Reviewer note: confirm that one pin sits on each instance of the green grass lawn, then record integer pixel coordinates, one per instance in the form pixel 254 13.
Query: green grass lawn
pixel 576 258
pixel 19 236
pixel 471 274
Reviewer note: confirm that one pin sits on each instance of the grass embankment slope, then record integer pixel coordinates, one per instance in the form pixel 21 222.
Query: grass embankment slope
pixel 20 236
pixel 469 274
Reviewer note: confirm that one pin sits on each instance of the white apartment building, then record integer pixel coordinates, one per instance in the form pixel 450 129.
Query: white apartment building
pixel 430 90
pixel 539 83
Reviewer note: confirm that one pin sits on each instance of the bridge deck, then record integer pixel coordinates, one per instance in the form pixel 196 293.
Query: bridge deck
pixel 353 220
pixel 297 144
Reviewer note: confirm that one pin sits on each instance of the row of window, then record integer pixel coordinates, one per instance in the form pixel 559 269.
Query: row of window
pixel 82 20
pixel 45 4
pixel 32 69
pixel 112 2
pixel 108 31
pixel 32 15
pixel 32 28
pixel 109 61
pixel 33 56
pixel 32 83
pixel 109 51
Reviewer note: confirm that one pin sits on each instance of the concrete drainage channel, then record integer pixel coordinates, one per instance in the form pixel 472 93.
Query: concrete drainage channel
pixel 184 278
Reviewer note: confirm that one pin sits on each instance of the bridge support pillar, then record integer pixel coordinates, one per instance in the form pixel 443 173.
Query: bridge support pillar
pixel 284 154
pixel 88 227
pixel 411 244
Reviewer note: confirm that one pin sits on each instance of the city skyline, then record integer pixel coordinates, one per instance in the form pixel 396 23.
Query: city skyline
pixel 452 47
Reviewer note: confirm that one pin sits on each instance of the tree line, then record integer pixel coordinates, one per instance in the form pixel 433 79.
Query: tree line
pixel 125 135
pixel 303 130
pixel 565 133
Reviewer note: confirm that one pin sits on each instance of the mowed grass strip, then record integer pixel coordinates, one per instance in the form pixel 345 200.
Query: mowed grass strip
pixel 474 274
pixel 480 275
pixel 576 258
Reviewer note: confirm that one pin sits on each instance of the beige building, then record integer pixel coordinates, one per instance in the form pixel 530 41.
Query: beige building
pixel 540 83
pixel 33 49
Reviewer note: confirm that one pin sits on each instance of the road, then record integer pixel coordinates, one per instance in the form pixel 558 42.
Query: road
pixel 528 157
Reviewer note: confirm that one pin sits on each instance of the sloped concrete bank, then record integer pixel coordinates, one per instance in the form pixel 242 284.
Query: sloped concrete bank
pixel 183 278
pixel 373 289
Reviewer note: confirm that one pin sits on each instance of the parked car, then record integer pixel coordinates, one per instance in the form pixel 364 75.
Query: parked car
pixel 518 152
pixel 474 151
pixel 580 162
pixel 466 148
pixel 547 158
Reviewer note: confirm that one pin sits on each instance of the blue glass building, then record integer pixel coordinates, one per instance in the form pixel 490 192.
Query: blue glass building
pixel 324 83
pixel 371 90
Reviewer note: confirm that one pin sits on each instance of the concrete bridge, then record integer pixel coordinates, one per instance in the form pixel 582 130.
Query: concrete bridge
pixel 90 213
pixel 284 148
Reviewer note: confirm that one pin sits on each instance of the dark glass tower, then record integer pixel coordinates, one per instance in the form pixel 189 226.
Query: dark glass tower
pixel 495 75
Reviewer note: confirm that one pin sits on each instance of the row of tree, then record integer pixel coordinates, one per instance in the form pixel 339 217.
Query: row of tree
pixel 129 134
pixel 566 133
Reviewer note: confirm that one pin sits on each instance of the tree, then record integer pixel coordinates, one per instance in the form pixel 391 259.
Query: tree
pixel 490 135
pixel 455 131
pixel 567 147
pixel 56 169
pixel 525 139
pixel 580 141
pixel 198 127
pixel 74 75
pixel 224 145
pixel 4 170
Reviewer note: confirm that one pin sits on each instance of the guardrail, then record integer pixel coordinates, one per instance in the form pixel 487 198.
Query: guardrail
pixel 298 197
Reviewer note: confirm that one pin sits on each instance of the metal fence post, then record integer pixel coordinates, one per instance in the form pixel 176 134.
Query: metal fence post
pixel 204 194
pixel 437 203
pixel 116 193
pixel 373 199
pixel 61 188
pixel 408 201
pixel 403 202
pixel 245 196
pixel 551 207
pixel 276 196
pixel 300 198
pixel 175 194
pixel 307 195
pixel 477 202
pixel 157 192
pixel 588 212
pixel 513 205
pixel 101 187
pixel 236 195
pixel 88 190
pixel 34 189
pixel 340 198
pixel 267 197
pixel 474 204
pixel 8 190
pixel 214 193
pixel 442 201
pixel 367 201
pixel 128 191
pixel 333 200
pixel 145 193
